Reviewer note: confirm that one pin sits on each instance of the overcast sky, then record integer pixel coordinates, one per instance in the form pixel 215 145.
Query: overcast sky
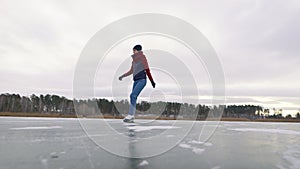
pixel 257 43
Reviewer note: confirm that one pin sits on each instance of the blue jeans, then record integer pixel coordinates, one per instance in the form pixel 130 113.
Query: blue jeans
pixel 138 86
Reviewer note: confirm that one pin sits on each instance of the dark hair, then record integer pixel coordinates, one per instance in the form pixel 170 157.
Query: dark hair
pixel 137 47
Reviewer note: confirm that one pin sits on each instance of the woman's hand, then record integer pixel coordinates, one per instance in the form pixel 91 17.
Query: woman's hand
pixel 153 84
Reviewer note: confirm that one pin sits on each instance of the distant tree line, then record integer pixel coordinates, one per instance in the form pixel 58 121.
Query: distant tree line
pixel 54 104
pixel 36 104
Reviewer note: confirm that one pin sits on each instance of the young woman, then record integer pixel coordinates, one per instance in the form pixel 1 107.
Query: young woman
pixel 139 69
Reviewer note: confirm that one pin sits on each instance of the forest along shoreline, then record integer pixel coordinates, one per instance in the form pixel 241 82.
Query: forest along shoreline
pixel 61 107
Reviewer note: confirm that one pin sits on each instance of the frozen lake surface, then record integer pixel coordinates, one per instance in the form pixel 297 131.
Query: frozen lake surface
pixel 56 143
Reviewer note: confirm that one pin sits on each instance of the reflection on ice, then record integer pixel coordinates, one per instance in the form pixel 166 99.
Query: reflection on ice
pixel 147 128
pixel 194 149
pixel 37 128
pixel 275 131
pixel 292 155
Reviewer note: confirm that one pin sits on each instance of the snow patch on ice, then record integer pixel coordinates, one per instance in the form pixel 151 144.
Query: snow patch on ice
pixel 275 131
pixel 208 144
pixel 165 121
pixel 143 163
pixel 198 150
pixel 147 128
pixel 38 140
pixel 36 128
pixel 183 145
pixel 216 167
pixel 40 118
pixel 196 142
pixel 195 150
pixel 200 143
pixel 44 162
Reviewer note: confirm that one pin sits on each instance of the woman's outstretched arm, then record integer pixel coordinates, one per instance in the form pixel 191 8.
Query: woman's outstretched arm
pixel 130 71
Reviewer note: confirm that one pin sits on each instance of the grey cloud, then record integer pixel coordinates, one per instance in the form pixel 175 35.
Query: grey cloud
pixel 257 42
